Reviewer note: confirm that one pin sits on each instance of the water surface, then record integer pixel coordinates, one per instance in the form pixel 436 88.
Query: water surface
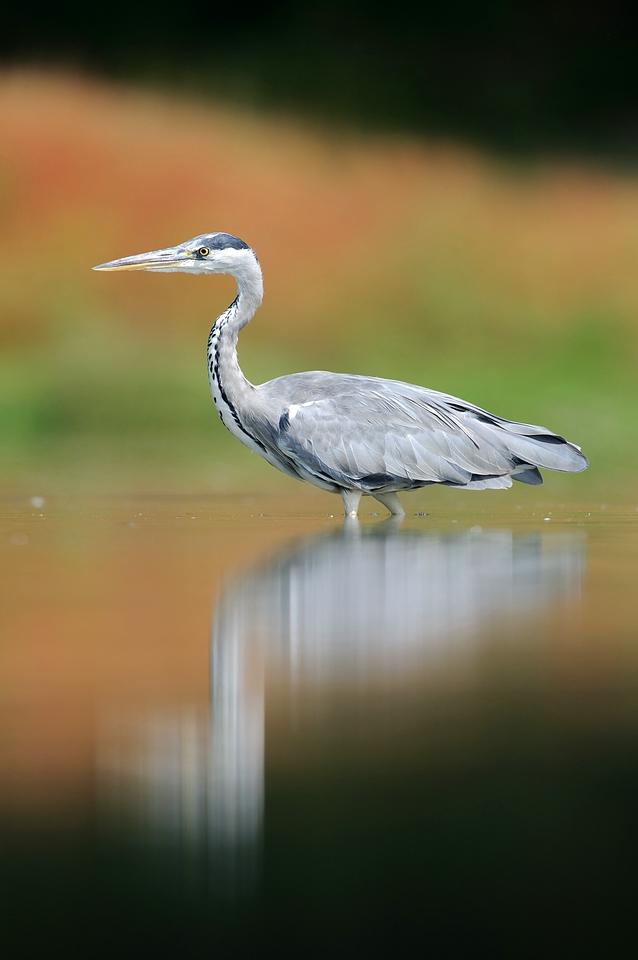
pixel 237 724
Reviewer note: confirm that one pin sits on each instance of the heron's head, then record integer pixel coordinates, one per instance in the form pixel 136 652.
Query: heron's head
pixel 209 253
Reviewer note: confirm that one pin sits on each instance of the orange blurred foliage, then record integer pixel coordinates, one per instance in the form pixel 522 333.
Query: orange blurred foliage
pixel 349 230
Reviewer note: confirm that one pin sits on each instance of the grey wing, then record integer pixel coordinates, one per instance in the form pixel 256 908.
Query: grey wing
pixel 378 435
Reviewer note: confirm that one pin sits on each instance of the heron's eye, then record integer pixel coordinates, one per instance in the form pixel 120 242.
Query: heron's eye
pixel 203 251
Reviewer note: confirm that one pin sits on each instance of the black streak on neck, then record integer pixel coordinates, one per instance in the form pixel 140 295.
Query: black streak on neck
pixel 214 368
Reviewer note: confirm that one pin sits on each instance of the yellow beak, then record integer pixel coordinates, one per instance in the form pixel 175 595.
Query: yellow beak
pixel 160 260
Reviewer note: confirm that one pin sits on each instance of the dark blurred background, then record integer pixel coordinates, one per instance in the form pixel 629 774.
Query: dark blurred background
pixel 521 75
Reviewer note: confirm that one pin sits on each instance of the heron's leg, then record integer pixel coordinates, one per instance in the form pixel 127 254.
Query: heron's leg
pixel 351 502
pixel 391 502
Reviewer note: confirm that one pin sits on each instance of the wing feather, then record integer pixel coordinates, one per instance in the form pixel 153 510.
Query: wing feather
pixel 380 434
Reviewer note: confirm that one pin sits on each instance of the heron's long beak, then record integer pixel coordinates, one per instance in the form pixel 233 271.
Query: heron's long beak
pixel 159 260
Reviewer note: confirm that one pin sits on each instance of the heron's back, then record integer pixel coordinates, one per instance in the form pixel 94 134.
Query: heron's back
pixel 379 435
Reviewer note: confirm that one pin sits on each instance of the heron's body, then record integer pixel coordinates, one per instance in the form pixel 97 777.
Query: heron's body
pixel 352 435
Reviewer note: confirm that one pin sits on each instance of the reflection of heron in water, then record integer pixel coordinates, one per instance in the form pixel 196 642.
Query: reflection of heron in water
pixel 348 434
pixel 378 602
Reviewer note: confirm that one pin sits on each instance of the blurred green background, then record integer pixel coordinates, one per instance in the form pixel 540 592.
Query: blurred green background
pixel 446 199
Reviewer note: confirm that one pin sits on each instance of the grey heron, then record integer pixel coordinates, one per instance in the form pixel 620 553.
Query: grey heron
pixel 352 435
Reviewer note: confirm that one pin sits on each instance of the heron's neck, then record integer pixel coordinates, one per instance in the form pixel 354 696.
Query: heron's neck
pixel 225 330
pixel 231 391
pixel 250 293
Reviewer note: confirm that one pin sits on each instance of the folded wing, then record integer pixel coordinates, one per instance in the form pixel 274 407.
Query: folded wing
pixel 378 435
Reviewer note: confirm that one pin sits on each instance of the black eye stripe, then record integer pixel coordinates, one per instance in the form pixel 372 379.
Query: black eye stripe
pixel 222 241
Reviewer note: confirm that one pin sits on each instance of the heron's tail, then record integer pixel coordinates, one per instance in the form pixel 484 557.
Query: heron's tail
pixel 546 450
